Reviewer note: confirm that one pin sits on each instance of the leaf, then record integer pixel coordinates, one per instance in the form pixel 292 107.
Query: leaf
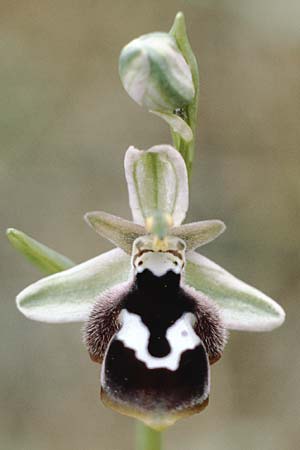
pixel 157 181
pixel 119 231
pixel 196 234
pixel 242 306
pixel 178 125
pixel 46 259
pixel 69 295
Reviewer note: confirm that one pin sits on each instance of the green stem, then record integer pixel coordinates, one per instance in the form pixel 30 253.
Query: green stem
pixel 147 438
pixel 187 149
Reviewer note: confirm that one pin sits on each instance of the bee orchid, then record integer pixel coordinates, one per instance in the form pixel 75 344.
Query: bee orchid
pixel 155 337
pixel 156 312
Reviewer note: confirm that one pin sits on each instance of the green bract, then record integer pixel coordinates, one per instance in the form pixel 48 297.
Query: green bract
pixel 69 295
pixel 49 261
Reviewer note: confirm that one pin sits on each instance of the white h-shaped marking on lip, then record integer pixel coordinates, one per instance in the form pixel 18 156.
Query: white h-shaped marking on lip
pixel 135 335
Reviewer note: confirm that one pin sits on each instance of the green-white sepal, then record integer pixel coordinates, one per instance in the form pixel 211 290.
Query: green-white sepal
pixel 242 306
pixel 157 181
pixel 119 231
pixel 68 296
pixel 43 257
pixel 155 74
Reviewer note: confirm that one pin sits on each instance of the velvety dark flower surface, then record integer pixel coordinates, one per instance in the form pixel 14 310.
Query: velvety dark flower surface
pixel 155 338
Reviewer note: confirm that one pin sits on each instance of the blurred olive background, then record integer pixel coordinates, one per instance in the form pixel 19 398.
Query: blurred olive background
pixel 65 125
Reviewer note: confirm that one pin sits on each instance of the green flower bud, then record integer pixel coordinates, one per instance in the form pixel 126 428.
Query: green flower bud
pixel 155 74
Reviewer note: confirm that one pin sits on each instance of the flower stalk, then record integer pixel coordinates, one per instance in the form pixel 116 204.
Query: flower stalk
pixel 147 438
pixel 190 112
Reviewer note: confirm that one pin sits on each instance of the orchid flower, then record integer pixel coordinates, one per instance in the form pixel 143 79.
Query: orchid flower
pixel 158 196
pixel 156 312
